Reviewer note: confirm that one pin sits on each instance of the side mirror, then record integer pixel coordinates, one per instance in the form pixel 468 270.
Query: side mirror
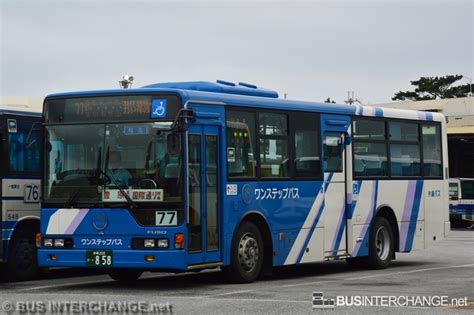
pixel 172 144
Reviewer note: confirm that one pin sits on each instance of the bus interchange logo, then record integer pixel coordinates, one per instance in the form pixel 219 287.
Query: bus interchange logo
pixel 319 302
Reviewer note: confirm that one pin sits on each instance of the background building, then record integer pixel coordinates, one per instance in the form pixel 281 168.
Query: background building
pixel 26 103
pixel 459 114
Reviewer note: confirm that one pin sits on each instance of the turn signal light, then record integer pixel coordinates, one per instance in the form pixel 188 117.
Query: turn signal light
pixel 38 240
pixel 179 241
pixel 53 257
pixel 149 258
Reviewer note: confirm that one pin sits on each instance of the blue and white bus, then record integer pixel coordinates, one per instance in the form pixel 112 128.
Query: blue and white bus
pixel 20 167
pixel 195 175
pixel 461 204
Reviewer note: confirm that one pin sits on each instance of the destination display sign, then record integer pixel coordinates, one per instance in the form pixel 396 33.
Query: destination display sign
pixel 112 108
pixel 143 195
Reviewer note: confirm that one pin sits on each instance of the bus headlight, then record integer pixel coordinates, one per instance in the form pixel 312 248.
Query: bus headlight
pixel 48 242
pixel 59 242
pixel 148 243
pixel 163 243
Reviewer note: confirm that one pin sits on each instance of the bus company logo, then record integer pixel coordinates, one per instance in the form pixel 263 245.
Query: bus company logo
pixel 247 194
pixel 100 221
pixel 319 302
pixel 101 242
pixel 158 108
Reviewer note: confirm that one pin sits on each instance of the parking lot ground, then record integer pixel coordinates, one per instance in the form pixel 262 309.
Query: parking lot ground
pixel 446 269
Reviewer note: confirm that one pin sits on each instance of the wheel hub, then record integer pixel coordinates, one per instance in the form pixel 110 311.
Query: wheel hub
pixel 382 243
pixel 248 252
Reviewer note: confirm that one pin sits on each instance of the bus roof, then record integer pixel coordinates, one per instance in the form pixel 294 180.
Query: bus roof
pixel 247 95
pixel 14 111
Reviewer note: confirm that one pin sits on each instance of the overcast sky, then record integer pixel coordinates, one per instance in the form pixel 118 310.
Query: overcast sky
pixel 310 50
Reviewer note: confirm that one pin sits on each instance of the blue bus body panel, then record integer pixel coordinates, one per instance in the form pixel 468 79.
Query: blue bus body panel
pixel 120 228
pixel 284 205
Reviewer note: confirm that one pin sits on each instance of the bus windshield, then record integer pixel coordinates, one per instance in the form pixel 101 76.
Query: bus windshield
pixel 97 163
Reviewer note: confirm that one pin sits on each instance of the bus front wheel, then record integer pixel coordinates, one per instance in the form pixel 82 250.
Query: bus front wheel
pixel 125 275
pixel 22 262
pixel 247 254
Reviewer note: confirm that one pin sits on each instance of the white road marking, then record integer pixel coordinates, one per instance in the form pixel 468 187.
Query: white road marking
pixel 408 272
pixel 348 279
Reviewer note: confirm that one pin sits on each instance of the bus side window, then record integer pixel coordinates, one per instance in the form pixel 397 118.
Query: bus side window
pixel 241 159
pixel 24 148
pixel 332 154
pixel 453 191
pixel 307 158
pixel 432 163
pixel 467 189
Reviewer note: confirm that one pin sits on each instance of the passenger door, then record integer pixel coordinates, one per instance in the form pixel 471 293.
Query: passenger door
pixel 203 199
pixel 335 195
pixel 335 131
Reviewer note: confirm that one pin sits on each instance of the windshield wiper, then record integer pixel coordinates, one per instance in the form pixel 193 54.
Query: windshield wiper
pixel 72 198
pixel 130 202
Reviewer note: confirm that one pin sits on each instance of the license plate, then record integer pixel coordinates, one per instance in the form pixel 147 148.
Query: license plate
pixel 99 258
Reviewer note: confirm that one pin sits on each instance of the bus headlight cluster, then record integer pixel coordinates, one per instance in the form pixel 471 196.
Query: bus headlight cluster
pixel 150 243
pixel 163 243
pixel 57 242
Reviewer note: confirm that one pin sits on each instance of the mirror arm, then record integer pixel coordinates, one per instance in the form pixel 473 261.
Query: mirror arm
pixel 184 115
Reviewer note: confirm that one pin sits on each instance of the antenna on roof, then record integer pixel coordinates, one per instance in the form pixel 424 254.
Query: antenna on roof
pixel 351 99
pixel 126 81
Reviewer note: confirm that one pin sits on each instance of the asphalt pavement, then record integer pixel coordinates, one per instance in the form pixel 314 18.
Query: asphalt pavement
pixel 443 274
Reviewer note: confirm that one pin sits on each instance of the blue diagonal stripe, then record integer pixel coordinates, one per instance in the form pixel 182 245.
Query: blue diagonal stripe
pixel 414 215
pixel 340 231
pixel 315 222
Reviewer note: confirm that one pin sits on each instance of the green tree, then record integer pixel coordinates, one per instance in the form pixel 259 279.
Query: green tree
pixel 431 88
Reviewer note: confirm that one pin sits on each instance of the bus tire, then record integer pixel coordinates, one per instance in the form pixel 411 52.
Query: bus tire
pixel 381 245
pixel 246 260
pixel 125 275
pixel 22 261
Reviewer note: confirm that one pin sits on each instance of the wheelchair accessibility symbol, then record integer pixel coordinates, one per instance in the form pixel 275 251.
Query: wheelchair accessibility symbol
pixel 158 108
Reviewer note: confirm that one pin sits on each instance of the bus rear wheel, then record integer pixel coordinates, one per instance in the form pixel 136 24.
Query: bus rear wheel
pixel 125 275
pixel 381 245
pixel 247 254
pixel 22 261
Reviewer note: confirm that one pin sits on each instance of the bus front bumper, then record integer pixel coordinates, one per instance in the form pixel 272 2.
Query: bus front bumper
pixel 135 259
